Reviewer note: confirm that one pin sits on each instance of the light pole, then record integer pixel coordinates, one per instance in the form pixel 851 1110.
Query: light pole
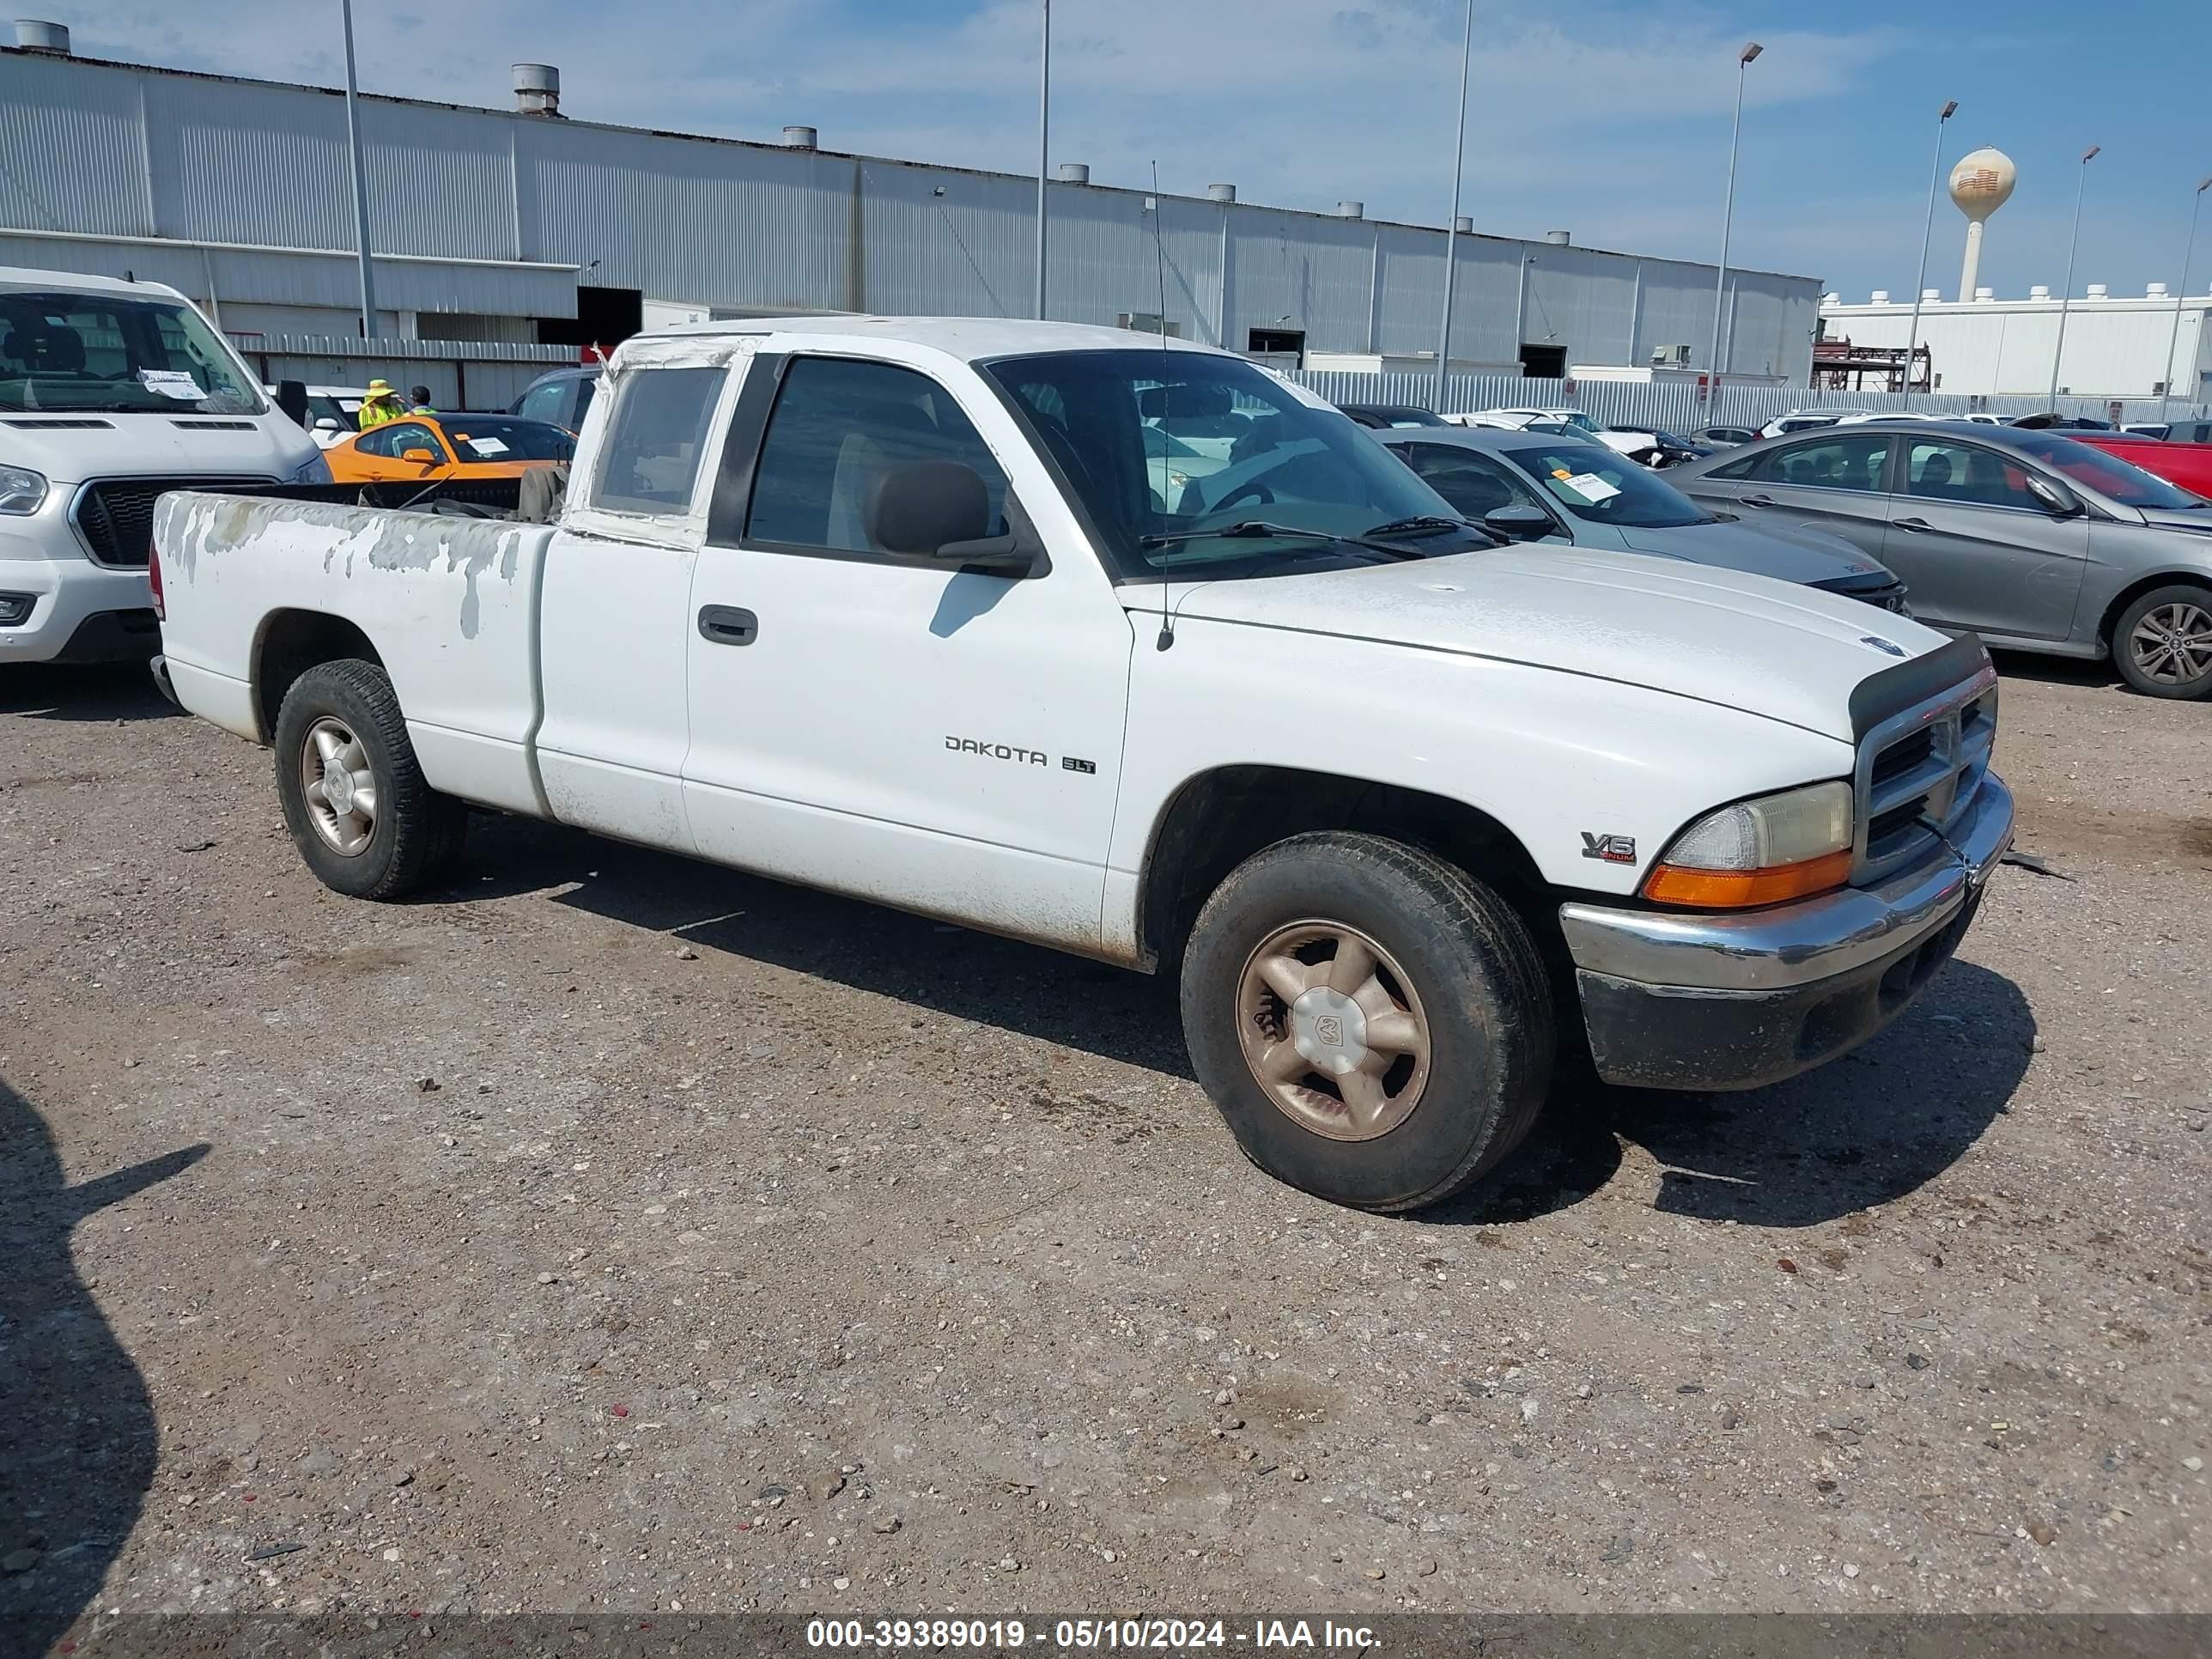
pixel 1044 132
pixel 1752 49
pixel 1927 228
pixel 359 181
pixel 1451 224
pixel 2174 340
pixel 2066 299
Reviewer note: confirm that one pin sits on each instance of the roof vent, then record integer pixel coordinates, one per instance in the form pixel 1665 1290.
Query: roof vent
pixel 33 35
pixel 1985 293
pixel 1559 238
pixel 2040 291
pixel 1221 192
pixel 1881 297
pixel 2156 291
pixel 1074 173
pixel 1464 224
pixel 2096 291
pixel 801 138
pixel 1352 209
pixel 537 88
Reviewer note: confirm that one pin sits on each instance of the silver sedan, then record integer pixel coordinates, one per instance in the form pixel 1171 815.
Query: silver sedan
pixel 2028 538
pixel 1552 487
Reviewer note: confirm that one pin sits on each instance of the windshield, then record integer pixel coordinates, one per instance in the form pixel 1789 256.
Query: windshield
pixel 114 355
pixel 2114 479
pixel 1595 483
pixel 503 438
pixel 343 411
pixel 1112 421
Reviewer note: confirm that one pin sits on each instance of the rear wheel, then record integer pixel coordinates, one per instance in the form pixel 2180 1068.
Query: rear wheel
pixel 364 819
pixel 1374 1025
pixel 2162 643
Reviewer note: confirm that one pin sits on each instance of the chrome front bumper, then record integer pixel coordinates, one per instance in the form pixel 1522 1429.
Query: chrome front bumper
pixel 1702 1001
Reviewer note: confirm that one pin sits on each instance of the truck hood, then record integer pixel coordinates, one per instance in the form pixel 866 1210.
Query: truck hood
pixel 1789 553
pixel 155 445
pixel 1792 655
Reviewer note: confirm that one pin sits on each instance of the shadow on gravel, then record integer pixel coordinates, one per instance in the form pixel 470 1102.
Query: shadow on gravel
pixel 955 971
pixel 1865 1129
pixel 77 1454
pixel 110 691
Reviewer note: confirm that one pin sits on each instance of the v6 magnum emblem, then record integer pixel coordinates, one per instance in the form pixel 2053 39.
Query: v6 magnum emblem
pixel 1609 849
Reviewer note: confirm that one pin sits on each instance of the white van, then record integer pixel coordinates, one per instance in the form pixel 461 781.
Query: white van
pixel 110 393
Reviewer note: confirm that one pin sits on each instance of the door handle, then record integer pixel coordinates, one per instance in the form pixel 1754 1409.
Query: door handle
pixel 1912 524
pixel 1760 501
pixel 724 624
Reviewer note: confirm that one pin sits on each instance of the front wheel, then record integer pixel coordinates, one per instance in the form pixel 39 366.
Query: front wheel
pixel 1374 1025
pixel 2162 643
pixel 364 819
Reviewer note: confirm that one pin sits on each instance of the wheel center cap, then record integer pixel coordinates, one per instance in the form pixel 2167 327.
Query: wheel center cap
pixel 1329 1029
pixel 337 787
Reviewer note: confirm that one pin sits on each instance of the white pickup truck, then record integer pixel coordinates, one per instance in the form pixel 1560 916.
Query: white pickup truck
pixel 913 609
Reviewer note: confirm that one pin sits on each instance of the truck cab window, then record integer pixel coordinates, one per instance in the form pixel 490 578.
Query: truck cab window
pixel 651 459
pixel 837 425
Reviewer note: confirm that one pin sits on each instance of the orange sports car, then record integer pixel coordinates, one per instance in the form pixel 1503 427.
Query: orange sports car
pixel 423 448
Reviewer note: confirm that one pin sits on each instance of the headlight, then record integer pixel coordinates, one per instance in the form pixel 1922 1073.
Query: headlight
pixel 21 490
pixel 1760 852
pixel 313 469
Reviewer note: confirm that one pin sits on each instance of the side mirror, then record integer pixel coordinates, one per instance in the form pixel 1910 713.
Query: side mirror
pixel 941 510
pixel 1519 524
pixel 420 457
pixel 292 399
pixel 326 424
pixel 2056 499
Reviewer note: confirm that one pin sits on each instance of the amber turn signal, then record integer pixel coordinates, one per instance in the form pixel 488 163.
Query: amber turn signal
pixel 1736 889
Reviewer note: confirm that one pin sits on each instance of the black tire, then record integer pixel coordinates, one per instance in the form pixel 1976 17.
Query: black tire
pixel 2137 673
pixel 415 834
pixel 1463 952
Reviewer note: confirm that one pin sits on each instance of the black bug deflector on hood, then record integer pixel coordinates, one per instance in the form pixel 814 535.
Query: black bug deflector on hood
pixel 1883 696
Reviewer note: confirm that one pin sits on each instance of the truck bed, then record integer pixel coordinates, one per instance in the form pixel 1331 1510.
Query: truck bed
pixel 452 601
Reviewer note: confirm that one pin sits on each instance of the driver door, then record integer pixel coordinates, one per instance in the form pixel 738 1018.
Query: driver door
pixel 890 725
pixel 378 452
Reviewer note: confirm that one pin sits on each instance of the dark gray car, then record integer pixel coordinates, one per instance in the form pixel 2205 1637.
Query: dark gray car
pixel 2028 538
pixel 1553 486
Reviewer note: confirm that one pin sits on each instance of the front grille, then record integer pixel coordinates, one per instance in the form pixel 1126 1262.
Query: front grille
pixel 115 516
pixel 1917 774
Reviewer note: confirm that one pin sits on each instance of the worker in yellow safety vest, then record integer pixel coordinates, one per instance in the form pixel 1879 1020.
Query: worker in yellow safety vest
pixel 381 405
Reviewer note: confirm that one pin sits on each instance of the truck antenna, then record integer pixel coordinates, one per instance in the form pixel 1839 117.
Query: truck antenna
pixel 1160 271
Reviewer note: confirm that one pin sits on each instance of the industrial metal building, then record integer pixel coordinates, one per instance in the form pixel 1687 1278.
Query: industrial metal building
pixel 2118 347
pixel 527 234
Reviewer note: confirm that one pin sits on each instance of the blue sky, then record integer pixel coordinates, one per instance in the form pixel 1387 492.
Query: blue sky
pixel 1608 119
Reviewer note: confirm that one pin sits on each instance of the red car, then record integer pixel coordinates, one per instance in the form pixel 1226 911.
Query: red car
pixel 2189 465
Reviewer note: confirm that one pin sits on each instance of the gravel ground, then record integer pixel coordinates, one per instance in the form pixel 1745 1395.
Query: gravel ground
pixel 616 1233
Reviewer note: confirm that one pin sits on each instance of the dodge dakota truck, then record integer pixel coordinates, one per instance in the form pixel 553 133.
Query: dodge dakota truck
pixel 927 611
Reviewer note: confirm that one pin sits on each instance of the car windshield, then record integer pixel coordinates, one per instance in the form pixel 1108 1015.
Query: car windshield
pixel 2114 479
pixel 503 438
pixel 344 410
pixel 115 355
pixel 1409 417
pixel 1593 483
pixel 1108 420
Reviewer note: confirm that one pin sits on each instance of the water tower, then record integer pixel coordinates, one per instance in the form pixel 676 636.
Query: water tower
pixel 1980 184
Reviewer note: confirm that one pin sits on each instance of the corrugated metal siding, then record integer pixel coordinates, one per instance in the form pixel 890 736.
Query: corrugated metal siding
pixel 2113 349
pixel 738 227
pixel 71 147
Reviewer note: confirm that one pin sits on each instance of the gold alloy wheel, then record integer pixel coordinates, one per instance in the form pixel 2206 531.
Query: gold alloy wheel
pixel 1333 1031
pixel 339 787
